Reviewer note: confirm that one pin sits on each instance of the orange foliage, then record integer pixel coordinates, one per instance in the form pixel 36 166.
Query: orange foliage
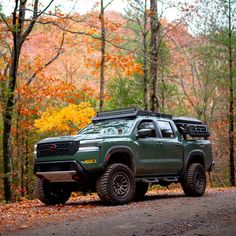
pixel 80 62
pixel 74 76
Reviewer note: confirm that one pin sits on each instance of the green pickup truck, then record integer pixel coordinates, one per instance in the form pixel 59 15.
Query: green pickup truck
pixel 120 154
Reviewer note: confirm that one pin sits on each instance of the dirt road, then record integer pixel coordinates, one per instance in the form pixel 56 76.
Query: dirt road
pixel 162 214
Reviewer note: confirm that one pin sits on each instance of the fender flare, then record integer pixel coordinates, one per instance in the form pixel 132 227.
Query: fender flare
pixel 120 148
pixel 195 152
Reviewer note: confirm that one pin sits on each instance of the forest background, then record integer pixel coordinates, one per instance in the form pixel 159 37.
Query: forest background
pixel 58 67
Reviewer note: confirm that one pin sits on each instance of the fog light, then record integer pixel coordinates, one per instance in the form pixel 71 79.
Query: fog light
pixel 89 161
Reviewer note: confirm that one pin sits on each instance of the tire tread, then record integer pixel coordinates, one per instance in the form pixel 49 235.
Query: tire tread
pixel 188 183
pixel 103 189
pixel 40 192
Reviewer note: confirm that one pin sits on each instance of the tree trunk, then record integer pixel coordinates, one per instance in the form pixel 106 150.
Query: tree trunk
pixel 18 148
pixel 231 102
pixel 145 55
pixel 27 164
pixel 154 55
pixel 19 37
pixel 163 87
pixel 102 66
pixel 8 113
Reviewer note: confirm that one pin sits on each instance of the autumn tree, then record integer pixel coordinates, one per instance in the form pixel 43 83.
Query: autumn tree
pixel 139 16
pixel 230 12
pixel 218 19
pixel 196 75
pixel 138 23
pixel 158 33
pixel 20 27
pixel 144 16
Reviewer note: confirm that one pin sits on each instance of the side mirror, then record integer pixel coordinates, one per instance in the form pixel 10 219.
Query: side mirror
pixel 143 133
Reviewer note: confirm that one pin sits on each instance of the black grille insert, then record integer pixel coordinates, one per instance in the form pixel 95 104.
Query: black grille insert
pixel 57 148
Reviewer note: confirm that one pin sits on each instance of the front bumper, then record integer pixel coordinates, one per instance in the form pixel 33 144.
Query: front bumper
pixel 60 171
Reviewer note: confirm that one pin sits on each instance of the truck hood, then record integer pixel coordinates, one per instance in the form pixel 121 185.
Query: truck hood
pixel 58 139
pixel 76 138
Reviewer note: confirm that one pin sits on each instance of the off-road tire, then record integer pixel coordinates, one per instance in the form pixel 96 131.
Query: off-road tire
pixel 141 190
pixel 116 185
pixel 194 183
pixel 51 193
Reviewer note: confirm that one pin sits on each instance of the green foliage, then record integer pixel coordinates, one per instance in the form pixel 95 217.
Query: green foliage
pixel 125 93
pixel 1 8
pixel 169 92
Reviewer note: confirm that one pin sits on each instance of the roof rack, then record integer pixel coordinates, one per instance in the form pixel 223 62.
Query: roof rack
pixel 126 113
pixel 186 120
pixel 191 126
pixel 185 125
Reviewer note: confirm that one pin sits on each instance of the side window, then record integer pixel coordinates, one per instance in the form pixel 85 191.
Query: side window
pixel 166 129
pixel 148 125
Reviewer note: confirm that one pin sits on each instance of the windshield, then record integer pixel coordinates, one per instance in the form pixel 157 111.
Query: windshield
pixel 109 127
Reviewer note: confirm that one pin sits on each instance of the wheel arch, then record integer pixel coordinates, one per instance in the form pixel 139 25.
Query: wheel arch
pixel 120 154
pixel 196 156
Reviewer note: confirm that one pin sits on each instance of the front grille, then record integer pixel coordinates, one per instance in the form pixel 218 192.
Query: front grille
pixel 57 148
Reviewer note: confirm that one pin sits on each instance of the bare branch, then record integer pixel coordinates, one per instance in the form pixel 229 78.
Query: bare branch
pixel 5 21
pixel 107 4
pixel 136 8
pixel 36 15
pixel 32 22
pixel 45 9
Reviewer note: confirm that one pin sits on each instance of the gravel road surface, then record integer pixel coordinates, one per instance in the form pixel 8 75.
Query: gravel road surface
pixel 162 214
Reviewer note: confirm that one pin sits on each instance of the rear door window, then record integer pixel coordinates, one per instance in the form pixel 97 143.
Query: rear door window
pixel 166 129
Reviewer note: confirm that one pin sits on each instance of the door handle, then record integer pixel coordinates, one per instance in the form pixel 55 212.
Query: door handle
pixel 160 143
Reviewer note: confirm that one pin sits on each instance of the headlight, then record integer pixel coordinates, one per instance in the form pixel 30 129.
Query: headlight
pixel 35 150
pixel 90 144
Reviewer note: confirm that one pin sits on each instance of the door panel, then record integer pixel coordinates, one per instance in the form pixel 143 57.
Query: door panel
pixel 172 149
pixel 147 147
pixel 149 150
pixel 171 156
pixel 159 155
